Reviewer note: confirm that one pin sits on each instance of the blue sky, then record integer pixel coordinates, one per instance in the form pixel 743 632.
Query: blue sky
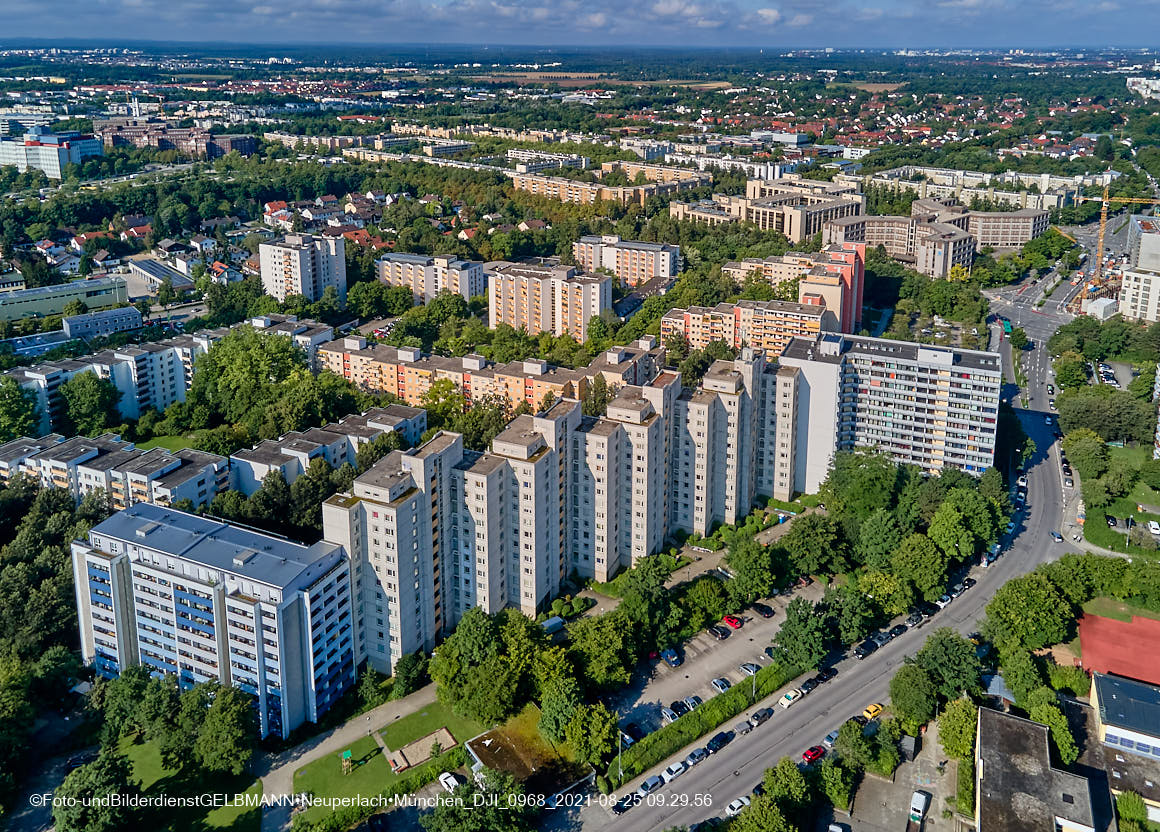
pixel 694 23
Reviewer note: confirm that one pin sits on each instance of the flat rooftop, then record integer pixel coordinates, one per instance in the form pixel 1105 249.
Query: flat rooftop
pixel 1128 704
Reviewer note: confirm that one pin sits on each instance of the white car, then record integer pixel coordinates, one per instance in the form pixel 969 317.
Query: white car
pixel 1154 527
pixel 721 685
pixel 673 772
pixel 790 697
pixel 735 807
pixel 1021 482
pixel 449 781
pixel 943 601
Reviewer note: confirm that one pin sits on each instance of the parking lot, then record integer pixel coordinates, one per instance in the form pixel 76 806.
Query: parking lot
pixel 705 659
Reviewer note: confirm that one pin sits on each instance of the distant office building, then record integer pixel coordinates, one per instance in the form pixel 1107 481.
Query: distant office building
pixel 631 261
pixel 193 141
pixel 208 601
pixel 553 299
pixel 933 407
pixel 50 152
pixel 1009 229
pixel 427 276
pixel 103 323
pixel 833 277
pixel 42 301
pixel 302 264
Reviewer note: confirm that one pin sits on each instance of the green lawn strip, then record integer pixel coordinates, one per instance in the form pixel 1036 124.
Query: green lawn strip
pixel 1119 610
pixel 154 779
pixel 431 718
pixel 370 773
pixel 1097 531
pixel 170 443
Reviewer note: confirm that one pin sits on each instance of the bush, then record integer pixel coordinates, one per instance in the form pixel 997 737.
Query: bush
pixel 343 819
pixel 1069 678
pixel 965 796
pixel 602 784
pixel 668 740
pixel 1130 807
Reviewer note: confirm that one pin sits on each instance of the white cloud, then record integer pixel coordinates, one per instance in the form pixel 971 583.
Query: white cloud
pixel 768 16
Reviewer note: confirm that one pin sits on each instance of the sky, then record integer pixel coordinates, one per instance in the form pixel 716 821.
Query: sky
pixel 667 23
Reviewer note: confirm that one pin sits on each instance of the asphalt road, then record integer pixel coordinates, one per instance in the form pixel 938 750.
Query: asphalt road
pixel 704 791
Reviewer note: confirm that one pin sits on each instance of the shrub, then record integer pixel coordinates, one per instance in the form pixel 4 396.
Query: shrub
pixel 1069 678
pixel 602 784
pixel 965 797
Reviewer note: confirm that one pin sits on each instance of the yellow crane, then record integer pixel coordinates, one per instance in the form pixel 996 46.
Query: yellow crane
pixel 1105 201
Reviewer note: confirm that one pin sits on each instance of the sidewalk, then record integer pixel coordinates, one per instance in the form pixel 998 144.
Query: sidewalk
pixel 276 771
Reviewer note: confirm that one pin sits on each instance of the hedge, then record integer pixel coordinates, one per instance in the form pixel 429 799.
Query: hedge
pixel 965 793
pixel 661 744
pixel 343 819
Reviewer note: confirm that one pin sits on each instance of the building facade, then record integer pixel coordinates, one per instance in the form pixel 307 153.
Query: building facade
pixel 631 261
pixel 553 299
pixel 43 150
pixel 427 276
pixel 764 325
pixel 207 601
pixel 42 301
pixel 103 323
pixel 302 264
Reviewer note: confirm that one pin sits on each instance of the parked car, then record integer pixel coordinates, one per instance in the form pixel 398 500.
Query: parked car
pixel 872 711
pixel 679 707
pixel 743 727
pixel 1010 527
pixel 634 731
pixel 721 684
pixel 668 716
pixel 927 609
pixel 1068 482
pixel 1154 527
pixel 651 785
pixel 671 657
pixel 763 610
pixel 1051 389
pixel 789 698
pixel 897 630
pixel 692 702
pixel 969 582
pixel 812 755
pixel 859 720
pixel 735 807
pixel 719 741
pixel 1057 537
pixel 627 802
pixel 697 755
pixel 449 781
pixel 673 772
pixel 943 601
pixel 881 639
pixel 1111 521
pixel 761 716
pixel 733 621
pixel 718 632
pixel 957 590
pixel 830 739
pixel 1021 482
pixel 749 668
pixel 864 649
pixel 808 685
pixel 827 673
pixel 914 619
pixel 625 740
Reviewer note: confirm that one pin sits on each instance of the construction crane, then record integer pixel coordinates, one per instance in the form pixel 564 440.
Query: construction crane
pixel 1105 201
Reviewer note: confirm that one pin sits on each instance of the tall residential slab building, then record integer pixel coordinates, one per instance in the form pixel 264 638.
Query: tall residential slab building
pixel 303 264
pixel 553 299
pixel 208 601
pixel 427 276
pixel 631 261
pixel 766 325
pixel 934 407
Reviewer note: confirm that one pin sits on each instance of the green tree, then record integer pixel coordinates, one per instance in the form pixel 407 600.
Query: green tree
pixel 225 742
pixel 951 663
pixel 166 296
pixel 837 783
pixel 80 807
pixel 921 563
pixel 878 538
pixel 753 570
pixel 410 674
pixel 913 696
pixel 19 415
pixel 596 397
pixel 762 815
pixel 786 785
pixel 496 806
pixel 1087 451
pixel 90 404
pixel 801 640
pixel 592 733
pixel 956 728
pixel 558 703
pixel 891 595
pixel 815 545
pixel 1022 674
pixel 853 746
pixel 444 404
pixel 602 649
pixel 1061 736
pixel 1028 612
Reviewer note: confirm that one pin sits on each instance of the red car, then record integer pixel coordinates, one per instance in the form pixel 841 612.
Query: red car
pixel 812 755
pixel 733 621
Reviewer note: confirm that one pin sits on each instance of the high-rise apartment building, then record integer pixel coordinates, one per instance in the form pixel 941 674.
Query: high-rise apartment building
pixel 767 325
pixel 553 299
pixel 1139 296
pixel 50 152
pixel 209 601
pixel 632 261
pixel 427 276
pixel 930 247
pixel 303 264
pixel 934 407
pixel 832 277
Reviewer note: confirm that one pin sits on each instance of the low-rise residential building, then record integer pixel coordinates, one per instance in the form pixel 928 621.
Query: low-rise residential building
pixel 764 325
pixel 208 601
pixel 589 193
pixel 1128 727
pixel 555 299
pixel 427 276
pixel 103 323
pixel 631 261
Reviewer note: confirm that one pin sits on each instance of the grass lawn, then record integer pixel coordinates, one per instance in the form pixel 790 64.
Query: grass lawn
pixel 155 779
pixel 1097 531
pixel 1135 457
pixel 430 719
pixel 1119 610
pixel 170 443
